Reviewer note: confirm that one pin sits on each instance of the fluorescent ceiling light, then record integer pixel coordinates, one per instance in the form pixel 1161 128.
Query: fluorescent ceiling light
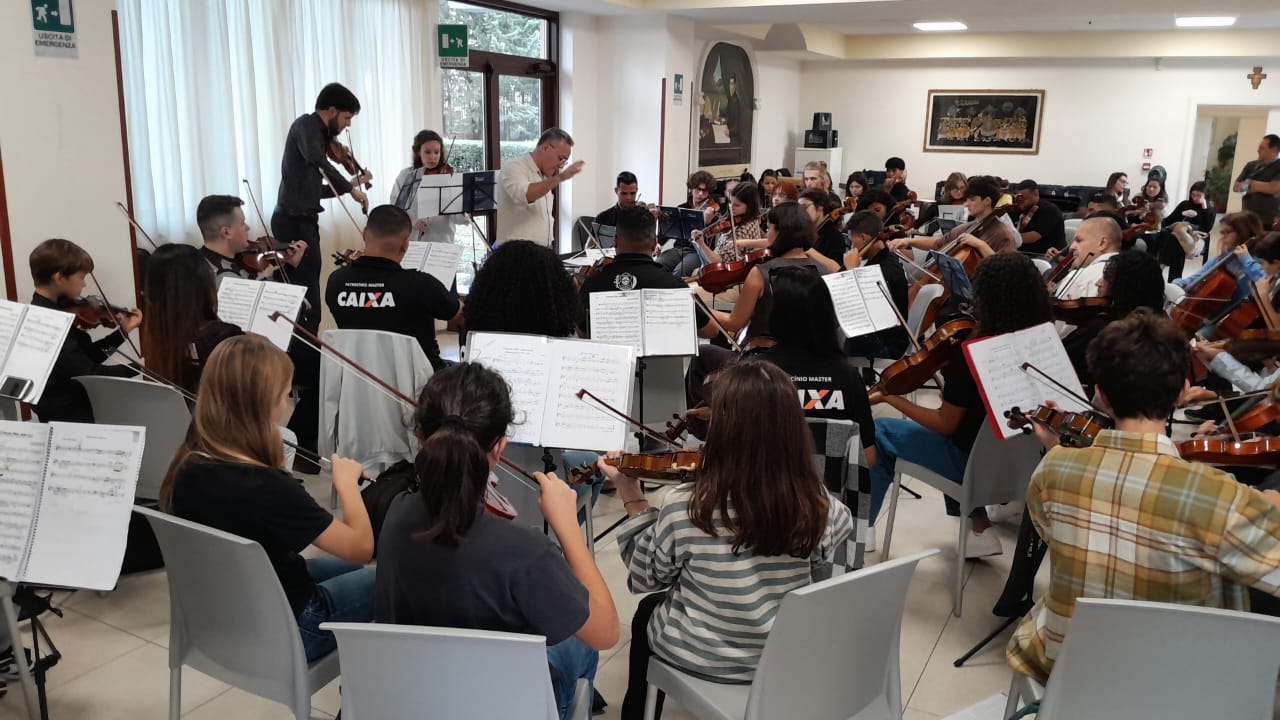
pixel 944 26
pixel 1205 22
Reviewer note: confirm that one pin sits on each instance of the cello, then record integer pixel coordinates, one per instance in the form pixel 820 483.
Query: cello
pixel 1211 293
pixel 967 257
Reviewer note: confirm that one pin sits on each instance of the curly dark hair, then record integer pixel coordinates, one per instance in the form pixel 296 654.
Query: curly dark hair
pixel 1140 363
pixel 1134 280
pixel 522 288
pixel 1009 295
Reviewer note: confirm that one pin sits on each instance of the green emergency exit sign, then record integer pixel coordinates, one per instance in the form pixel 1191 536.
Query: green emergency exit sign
pixel 452 45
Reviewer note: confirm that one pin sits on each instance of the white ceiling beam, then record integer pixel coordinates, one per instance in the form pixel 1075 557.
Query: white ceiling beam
pixel 1168 44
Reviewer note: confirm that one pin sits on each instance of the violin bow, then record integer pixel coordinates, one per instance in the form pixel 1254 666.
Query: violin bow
pixel 137 227
pixel 915 342
pixel 325 177
pixel 351 148
pixel 266 229
pixel 1027 367
pixel 733 342
pixel 1071 277
pixel 103 295
pixel 584 393
pixel 447 153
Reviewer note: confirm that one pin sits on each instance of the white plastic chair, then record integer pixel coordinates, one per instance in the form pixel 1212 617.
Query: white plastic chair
pixel 997 472
pixel 832 653
pixel 230 619
pixel 158 408
pixel 399 671
pixel 1131 659
pixel 1173 295
pixel 915 313
pixel 1042 265
pixel 837 457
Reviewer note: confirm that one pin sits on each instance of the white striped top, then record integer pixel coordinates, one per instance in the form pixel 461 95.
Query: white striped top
pixel 719 606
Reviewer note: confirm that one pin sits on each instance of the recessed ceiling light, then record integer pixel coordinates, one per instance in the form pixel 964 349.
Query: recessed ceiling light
pixel 1205 22
pixel 944 26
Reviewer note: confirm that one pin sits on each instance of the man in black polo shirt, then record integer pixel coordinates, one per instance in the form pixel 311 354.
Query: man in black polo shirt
pixel 375 293
pixel 633 268
pixel 1041 223
pixel 1260 182
pixel 626 190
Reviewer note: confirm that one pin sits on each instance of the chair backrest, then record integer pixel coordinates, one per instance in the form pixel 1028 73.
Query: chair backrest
pixel 398 671
pixel 356 419
pixel 229 616
pixel 1173 295
pixel 833 648
pixel 158 408
pixel 998 470
pixel 1041 264
pixel 1129 659
pixel 581 233
pixel 915 313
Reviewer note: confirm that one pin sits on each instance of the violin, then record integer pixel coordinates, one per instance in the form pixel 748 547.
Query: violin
pixel 342 155
pixel 580 275
pixel 1150 222
pixel 1060 268
pixel 92 311
pixel 1258 417
pixel 1248 449
pixel 718 277
pixel 262 255
pixel 1137 204
pixel 834 216
pixel 1080 310
pixel 913 371
pixel 346 257
pixel 1076 430
pixel 900 212
pixel 1253 346
pixel 676 466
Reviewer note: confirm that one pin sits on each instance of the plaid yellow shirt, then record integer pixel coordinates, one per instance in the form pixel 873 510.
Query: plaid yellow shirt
pixel 1128 519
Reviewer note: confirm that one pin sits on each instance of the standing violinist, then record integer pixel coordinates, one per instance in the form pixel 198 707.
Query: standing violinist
pixel 58 269
pixel 980 202
pixel 869 249
pixel 428 159
pixel 220 219
pixel 1040 223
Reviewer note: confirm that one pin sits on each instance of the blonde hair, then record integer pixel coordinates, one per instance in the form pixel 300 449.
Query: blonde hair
pixel 821 167
pixel 241 384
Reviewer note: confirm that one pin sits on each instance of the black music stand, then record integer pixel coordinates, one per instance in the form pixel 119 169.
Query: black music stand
pixel 477 192
pixel 679 223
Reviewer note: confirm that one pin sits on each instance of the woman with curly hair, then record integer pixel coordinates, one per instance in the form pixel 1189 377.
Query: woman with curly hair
pixel 1008 295
pixel 522 288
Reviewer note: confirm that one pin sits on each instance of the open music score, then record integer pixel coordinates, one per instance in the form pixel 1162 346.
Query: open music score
pixel 654 322
pixel 996 363
pixel 861 306
pixel 545 375
pixel 31 339
pixel 67 493
pixel 248 304
pixel 437 259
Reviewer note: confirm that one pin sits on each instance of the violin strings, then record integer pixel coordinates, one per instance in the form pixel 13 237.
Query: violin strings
pixel 107 302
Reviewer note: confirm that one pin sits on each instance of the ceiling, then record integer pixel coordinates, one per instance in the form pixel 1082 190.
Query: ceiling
pixel 892 17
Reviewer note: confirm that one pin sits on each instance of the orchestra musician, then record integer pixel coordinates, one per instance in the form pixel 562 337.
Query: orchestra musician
pixel 746 233
pixel 525 186
pixel 830 241
pixel 981 202
pixel 626 191
pixel 816 176
pixel 864 229
pixel 428 159
pixel 1117 187
pixel 895 179
pixel 1040 222
pixel 1097 240
pixel 681 259
pixel 854 186
pixel 220 219
pixel 768 181
pixel 1196 212
pixel 954 192
pixel 1237 233
pixel 58 270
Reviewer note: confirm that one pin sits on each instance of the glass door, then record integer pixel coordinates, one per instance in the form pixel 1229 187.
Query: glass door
pixel 464 137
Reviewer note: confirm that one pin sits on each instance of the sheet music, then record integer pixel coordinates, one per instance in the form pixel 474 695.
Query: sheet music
pixel 522 361
pixel 996 363
pixel 589 257
pixel 23 446
pixel 277 297
pixel 605 370
pixel 439 195
pixel 670 324
pixel 79 537
pixel 415 255
pixel 237 298
pixel 441 261
pixel 39 341
pixel 616 318
pixel 10 317
pixel 861 307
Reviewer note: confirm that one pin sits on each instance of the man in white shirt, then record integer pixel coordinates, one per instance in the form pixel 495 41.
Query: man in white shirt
pixel 1097 240
pixel 525 187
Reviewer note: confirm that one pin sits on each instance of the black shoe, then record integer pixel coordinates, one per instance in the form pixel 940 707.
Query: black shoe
pixel 1006 609
pixel 598 704
pixel 1208 412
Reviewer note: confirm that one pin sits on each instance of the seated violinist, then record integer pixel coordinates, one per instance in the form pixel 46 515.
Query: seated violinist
pixel 868 249
pixel 681 259
pixel 818 205
pixel 58 269
pixel 895 179
pixel 1097 240
pixel 1040 222
pixel 1105 203
pixel 878 202
pixel 742 234
pixel 1200 538
pixel 1131 280
pixel 226 235
pixel 981 203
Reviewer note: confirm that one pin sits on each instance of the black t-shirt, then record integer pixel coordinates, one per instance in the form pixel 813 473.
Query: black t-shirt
pixel 503 577
pixel 64 399
pixel 960 390
pixel 1048 221
pixel 375 293
pixel 1202 220
pixel 266 505
pixel 609 216
pixel 831 242
pixel 630 271
pixel 829 387
pixel 899 192
pixel 1265 205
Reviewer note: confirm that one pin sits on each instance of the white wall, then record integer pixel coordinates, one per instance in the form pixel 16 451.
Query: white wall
pixel 60 136
pixel 1098 116
pixel 779 125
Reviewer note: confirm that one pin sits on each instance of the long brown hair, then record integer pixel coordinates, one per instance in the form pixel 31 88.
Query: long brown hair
pixel 180 296
pixel 463 412
pixel 763 471
pixel 242 382
pixel 1246 225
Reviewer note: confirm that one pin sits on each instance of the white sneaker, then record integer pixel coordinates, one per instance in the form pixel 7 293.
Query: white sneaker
pixel 870 544
pixel 983 544
pixel 1006 512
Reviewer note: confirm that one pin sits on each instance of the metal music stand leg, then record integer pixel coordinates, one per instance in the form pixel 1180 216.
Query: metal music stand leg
pixel 19 653
pixel 984 641
pixel 640 368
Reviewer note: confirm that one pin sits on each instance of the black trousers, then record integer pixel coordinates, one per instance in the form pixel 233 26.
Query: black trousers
pixel 306 362
pixel 638 660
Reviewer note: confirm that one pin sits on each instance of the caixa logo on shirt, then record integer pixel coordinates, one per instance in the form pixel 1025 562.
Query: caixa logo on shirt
pixel 821 399
pixel 366 299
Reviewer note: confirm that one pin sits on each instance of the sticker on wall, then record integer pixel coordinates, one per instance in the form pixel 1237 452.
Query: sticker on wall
pixel 677 92
pixel 54 29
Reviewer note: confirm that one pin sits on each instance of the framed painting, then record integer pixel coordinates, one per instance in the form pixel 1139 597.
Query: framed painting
pixel 984 121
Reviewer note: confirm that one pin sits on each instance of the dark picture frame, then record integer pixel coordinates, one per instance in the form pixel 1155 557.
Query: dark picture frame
pixel 725 110
pixel 1004 122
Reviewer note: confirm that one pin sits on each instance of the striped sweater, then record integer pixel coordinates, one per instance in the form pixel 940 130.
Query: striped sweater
pixel 719 606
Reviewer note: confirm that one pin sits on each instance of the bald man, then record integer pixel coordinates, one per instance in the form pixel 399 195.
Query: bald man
pixel 1097 239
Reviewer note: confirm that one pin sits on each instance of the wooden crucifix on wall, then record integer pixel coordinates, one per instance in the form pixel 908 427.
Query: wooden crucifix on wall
pixel 1257 76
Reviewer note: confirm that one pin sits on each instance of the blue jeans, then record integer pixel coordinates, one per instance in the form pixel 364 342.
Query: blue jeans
pixel 910 441
pixel 570 660
pixel 344 593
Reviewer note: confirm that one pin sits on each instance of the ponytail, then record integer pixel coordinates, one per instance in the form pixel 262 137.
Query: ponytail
pixel 463 413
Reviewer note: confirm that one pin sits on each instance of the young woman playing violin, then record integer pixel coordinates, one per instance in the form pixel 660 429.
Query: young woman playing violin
pixel 229 475
pixel 755 524
pixel 428 159
pixel 1008 295
pixel 58 269
pixel 444 561
pixel 734 239
pixel 954 192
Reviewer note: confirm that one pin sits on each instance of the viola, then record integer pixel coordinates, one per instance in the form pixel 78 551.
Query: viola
pixel 1248 449
pixel 1080 310
pixel 1073 429
pixel 92 311
pixel 1149 223
pixel 346 257
pixel 913 371
pixel 900 212
pixel 1060 268
pixel 718 277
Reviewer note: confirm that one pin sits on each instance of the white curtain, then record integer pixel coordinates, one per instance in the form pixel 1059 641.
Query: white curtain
pixel 211 87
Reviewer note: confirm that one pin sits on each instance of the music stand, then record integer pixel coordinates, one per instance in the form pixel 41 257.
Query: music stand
pixel 605 234
pixel 477 192
pixel 679 223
